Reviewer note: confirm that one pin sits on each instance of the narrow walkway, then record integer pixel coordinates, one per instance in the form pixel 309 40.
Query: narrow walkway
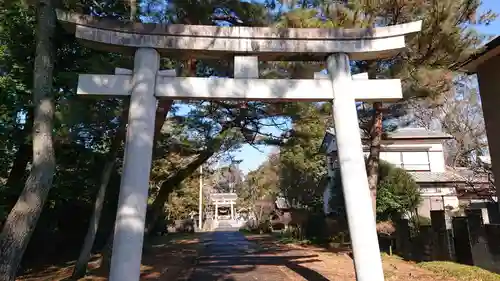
pixel 228 256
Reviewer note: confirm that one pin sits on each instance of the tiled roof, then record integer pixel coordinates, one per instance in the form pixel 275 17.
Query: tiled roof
pixel 470 175
pixel 421 177
pixel 399 134
pixel 416 133
pixel 224 196
pixel 458 174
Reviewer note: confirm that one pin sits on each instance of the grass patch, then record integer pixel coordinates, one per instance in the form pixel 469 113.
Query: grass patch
pixel 245 231
pixel 291 240
pixel 288 238
pixel 460 272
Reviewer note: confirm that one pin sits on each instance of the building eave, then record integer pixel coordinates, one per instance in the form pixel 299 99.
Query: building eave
pixel 471 64
pixel 327 139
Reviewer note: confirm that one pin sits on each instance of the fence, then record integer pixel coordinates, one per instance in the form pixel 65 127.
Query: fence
pixel 466 240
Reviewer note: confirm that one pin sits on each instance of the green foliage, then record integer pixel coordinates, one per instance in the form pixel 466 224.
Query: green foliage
pixel 419 221
pixel 302 166
pixel 397 193
pixel 84 128
pixel 260 184
pixel 183 200
pixel 289 237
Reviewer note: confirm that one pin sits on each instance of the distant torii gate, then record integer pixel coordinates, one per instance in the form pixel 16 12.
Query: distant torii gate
pixel 223 200
pixel 246 46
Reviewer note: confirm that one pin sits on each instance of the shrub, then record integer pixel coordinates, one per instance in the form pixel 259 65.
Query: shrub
pixel 265 227
pixel 397 193
pixel 316 228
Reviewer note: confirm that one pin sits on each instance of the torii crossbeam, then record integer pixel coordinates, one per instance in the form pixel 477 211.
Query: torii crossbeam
pixel 246 45
pixel 196 88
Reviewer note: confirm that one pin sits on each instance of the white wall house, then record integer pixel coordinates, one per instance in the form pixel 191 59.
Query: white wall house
pixel 421 153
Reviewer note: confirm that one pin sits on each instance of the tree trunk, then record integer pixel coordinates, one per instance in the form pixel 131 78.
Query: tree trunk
pixel 164 107
pixel 22 219
pixel 81 264
pixel 133 9
pixel 105 260
pixel 161 114
pixel 171 182
pixel 107 251
pixel 80 268
pixel 169 185
pixel 261 211
pixel 374 156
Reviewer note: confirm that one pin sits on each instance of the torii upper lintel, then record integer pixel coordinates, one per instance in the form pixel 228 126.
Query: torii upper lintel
pixel 202 41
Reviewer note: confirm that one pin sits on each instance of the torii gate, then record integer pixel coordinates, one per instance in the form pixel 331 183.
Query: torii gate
pixel 246 45
pixel 223 200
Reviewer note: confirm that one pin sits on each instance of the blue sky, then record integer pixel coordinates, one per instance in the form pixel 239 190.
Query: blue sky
pixel 494 28
pixel 252 157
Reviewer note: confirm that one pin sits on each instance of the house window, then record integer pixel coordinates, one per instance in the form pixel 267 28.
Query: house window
pixel 427 190
pixel 393 157
pixel 415 161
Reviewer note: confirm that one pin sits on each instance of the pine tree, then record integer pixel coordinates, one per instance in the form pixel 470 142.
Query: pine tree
pixel 22 219
pixel 447 36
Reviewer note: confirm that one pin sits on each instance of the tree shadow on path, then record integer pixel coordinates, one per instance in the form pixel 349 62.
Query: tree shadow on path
pixel 230 256
pixel 213 268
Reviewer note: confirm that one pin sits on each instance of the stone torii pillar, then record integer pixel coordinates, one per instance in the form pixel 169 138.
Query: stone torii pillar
pixel 232 210
pixel 140 84
pixel 132 203
pixel 357 196
pixel 216 212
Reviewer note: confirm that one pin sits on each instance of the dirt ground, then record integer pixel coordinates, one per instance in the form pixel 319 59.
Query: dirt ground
pixel 165 258
pixel 176 258
pixel 330 265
